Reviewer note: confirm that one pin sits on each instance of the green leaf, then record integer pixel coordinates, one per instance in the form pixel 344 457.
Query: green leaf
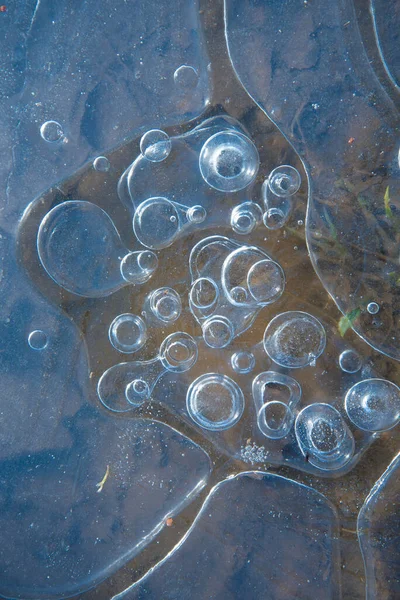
pixel 346 322
pixel 386 200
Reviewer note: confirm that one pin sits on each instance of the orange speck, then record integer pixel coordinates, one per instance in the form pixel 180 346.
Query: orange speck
pixel 351 140
pixel 169 522
pixel 3 8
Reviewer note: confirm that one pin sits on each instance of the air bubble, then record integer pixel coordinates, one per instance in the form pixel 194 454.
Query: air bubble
pixel 196 214
pixel 215 402
pixel 155 145
pixel 228 161
pixel 275 397
pixel 137 392
pixel 178 352
pixel 203 293
pixel 37 339
pixel 245 217
pixel 217 332
pixel 128 384
pixel 165 304
pixel 186 77
pixel 81 250
pixel 101 164
pixel 284 181
pixel 243 362
pixel 373 404
pixel 274 218
pixel 138 267
pixel 127 333
pixel 323 437
pixel 350 361
pixel 249 269
pixel 294 339
pixel 373 308
pixel 51 132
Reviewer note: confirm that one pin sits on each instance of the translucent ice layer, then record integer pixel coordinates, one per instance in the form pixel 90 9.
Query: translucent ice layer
pixel 341 116
pixel 77 512
pixel 378 533
pixel 282 534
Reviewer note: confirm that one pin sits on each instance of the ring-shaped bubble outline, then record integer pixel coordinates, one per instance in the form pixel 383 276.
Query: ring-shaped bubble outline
pixel 386 381
pixel 296 312
pixel 231 386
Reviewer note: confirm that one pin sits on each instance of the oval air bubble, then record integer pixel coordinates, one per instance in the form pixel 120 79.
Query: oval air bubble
pixel 266 281
pixel 284 181
pixel 196 214
pixel 155 145
pixel 323 437
pixel 275 397
pixel 203 293
pixel 215 402
pixel 243 361
pixel 157 222
pixel 245 217
pixel 138 267
pixel 248 269
pixel 350 361
pixel 165 304
pixel 80 248
pixel 51 131
pixel 373 404
pixel 137 392
pixel 37 339
pixel 373 308
pixel 217 332
pixel 274 218
pixel 127 333
pixel 228 161
pixel 101 164
pixel 294 339
pixel 178 352
pixel 186 77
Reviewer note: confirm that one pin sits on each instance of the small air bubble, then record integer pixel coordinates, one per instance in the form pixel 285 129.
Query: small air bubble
pixel 51 131
pixel 101 164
